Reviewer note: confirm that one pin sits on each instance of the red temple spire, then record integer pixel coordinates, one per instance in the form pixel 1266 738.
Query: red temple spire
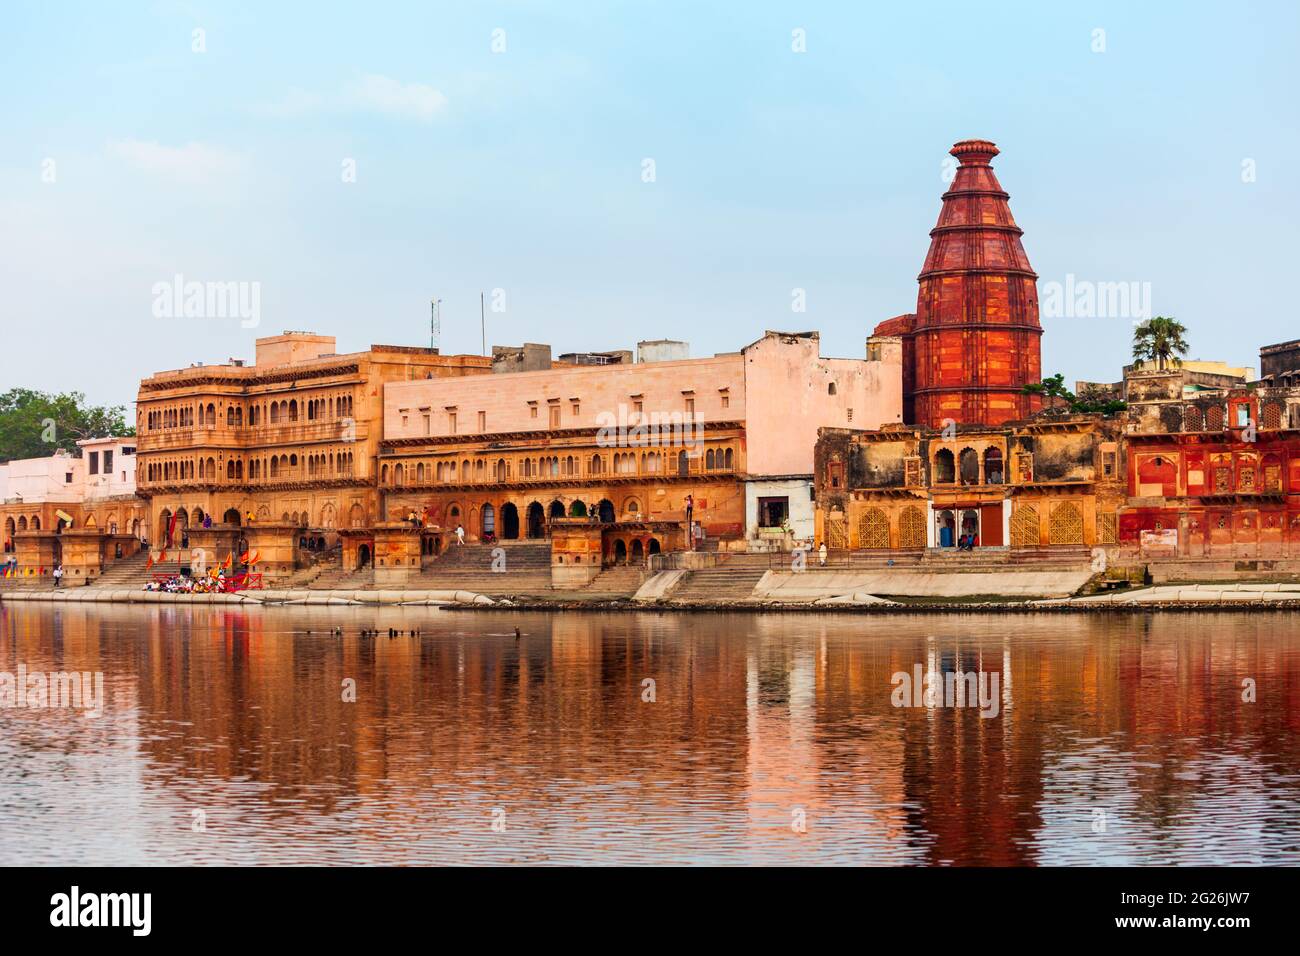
pixel 975 339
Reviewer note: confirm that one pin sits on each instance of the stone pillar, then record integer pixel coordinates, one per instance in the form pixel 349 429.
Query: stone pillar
pixel 35 551
pixel 275 546
pixel 575 555
pixel 215 544
pixel 82 550
pixel 397 553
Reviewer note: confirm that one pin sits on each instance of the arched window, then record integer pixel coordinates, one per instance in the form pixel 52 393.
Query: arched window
pixel 945 471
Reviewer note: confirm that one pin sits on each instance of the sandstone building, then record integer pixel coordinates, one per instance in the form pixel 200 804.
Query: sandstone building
pixel 277 454
pixel 515 455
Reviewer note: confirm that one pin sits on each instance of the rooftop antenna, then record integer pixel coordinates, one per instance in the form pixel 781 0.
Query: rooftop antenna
pixel 435 322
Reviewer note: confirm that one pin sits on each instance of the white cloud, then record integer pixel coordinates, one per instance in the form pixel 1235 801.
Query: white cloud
pixel 383 94
pixel 191 163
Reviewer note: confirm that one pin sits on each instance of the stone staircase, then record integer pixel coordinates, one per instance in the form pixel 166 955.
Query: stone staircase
pixel 130 574
pixel 527 569
pixel 322 563
pixel 334 578
pixel 613 583
pixel 732 580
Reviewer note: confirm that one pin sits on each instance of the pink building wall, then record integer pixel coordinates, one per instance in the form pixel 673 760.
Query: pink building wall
pixel 598 389
pixel 788 397
pixel 777 387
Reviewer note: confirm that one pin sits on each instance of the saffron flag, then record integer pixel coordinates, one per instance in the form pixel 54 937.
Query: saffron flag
pixel 229 562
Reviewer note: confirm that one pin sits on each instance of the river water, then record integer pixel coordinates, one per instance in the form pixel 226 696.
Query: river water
pixel 230 736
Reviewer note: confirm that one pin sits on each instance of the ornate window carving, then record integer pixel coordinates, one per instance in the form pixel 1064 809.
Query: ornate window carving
pixel 1024 527
pixel 873 529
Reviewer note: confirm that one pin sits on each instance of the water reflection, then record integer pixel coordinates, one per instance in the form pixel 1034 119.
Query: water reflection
pixel 226 739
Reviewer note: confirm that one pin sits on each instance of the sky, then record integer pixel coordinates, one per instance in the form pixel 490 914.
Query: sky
pixel 609 172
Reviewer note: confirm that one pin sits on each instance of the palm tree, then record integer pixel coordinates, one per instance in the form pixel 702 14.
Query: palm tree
pixel 1159 340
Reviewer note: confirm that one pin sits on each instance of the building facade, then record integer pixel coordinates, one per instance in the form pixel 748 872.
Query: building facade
pixel 633 443
pixel 78 513
pixel 276 455
pixel 1050 482
pixel 1216 475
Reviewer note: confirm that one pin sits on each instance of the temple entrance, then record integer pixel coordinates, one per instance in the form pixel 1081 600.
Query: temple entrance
pixel 509 521
pixel 363 556
pixel 654 545
pixel 231 517
pixel 970 528
pixel 536 520
pixel 638 552
pixel 620 552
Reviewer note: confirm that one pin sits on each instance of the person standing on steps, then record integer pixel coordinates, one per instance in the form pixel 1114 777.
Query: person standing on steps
pixel 690 526
pixel 821 554
pixel 460 534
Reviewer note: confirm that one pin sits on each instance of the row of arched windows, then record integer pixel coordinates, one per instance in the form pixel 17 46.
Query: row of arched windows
pixel 326 464
pixel 329 407
pixel 180 416
pixel 553 466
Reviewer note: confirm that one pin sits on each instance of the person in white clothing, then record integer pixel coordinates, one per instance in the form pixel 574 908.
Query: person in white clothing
pixel 460 534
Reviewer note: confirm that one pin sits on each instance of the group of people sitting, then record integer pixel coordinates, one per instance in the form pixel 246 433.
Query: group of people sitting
pixel 212 583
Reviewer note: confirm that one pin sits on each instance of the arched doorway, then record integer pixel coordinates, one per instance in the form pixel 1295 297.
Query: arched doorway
pixel 231 517
pixel 970 526
pixel 363 556
pixel 654 546
pixel 557 509
pixel 577 510
pixel 638 551
pixel 606 509
pixel 509 521
pixel 620 552
pixel 946 526
pixel 488 521
pixel 165 527
pixel 536 520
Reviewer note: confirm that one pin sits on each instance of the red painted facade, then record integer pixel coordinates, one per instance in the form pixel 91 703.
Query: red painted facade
pixel 974 340
pixel 1230 492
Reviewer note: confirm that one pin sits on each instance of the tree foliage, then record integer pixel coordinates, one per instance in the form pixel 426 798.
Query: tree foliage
pixel 35 424
pixel 1161 340
pixel 1059 397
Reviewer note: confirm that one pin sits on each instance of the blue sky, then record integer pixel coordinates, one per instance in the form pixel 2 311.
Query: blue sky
pixel 522 170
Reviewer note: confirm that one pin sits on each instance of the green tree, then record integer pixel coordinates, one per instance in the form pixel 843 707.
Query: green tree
pixel 34 424
pixel 1160 340
pixel 1061 398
